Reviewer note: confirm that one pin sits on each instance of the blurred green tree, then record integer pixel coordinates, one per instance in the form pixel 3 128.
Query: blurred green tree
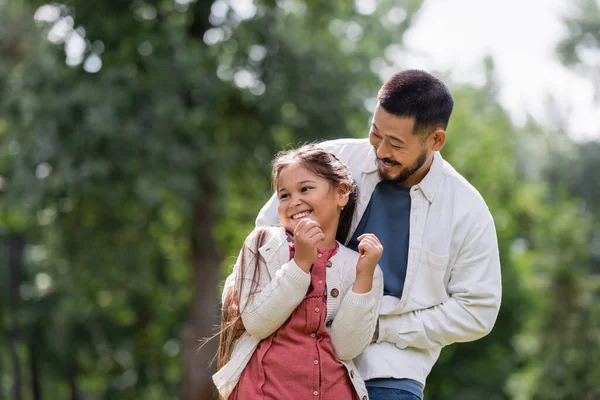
pixel 136 141
pixel 569 332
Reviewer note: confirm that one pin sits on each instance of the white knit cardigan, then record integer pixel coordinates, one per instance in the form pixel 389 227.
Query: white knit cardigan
pixel 282 287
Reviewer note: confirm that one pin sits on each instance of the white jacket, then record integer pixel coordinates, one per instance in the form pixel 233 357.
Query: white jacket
pixel 453 287
pixel 282 287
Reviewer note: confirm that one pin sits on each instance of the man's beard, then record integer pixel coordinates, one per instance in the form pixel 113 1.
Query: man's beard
pixel 406 172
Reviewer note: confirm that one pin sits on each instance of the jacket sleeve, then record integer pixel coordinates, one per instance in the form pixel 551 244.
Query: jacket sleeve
pixel 475 289
pixel 354 323
pixel 268 213
pixel 274 300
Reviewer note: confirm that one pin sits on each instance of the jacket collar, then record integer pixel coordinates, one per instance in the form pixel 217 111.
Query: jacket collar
pixel 429 185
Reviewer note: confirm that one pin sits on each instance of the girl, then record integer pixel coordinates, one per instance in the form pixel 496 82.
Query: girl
pixel 301 306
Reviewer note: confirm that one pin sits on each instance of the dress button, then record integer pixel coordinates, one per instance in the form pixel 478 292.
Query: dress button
pixel 335 292
pixel 317 309
pixel 320 281
pixel 329 264
pixel 316 362
pixel 317 393
pixel 320 255
pixel 313 335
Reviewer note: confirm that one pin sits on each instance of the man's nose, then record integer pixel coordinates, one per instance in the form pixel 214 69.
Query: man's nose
pixel 382 151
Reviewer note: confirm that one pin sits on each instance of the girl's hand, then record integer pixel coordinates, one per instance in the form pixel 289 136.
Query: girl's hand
pixel 370 250
pixel 307 235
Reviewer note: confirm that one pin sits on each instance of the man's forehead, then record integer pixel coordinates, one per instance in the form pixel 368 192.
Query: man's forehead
pixel 399 128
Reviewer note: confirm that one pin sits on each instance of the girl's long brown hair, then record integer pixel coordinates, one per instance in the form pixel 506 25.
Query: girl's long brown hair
pixel 323 164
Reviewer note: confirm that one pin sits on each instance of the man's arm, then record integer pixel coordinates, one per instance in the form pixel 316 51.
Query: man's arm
pixel 475 289
pixel 268 214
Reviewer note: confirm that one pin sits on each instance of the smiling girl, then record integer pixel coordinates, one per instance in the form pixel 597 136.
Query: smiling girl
pixel 299 306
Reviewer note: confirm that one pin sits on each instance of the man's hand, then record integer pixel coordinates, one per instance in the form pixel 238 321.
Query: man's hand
pixel 307 236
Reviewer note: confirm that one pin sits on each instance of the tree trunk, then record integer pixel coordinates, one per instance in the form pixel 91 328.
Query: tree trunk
pixel 16 245
pixel 205 311
pixel 72 380
pixel 34 363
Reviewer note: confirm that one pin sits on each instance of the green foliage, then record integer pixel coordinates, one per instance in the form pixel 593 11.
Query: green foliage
pixel 134 185
pixel 119 175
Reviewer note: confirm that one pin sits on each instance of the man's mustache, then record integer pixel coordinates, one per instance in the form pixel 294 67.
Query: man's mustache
pixel 388 161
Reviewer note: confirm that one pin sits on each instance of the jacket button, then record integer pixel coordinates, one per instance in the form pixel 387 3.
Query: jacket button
pixel 335 292
pixel 329 264
pixel 352 373
pixel 364 398
pixel 328 323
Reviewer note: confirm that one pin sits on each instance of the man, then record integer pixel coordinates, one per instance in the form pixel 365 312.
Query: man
pixel 440 262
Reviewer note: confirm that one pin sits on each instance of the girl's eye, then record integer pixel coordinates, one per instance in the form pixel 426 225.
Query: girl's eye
pixel 305 188
pixel 283 196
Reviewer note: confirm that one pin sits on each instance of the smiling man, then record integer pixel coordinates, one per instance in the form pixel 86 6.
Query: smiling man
pixel 440 262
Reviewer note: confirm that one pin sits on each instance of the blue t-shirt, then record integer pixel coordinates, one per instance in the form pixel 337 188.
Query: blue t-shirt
pixel 388 217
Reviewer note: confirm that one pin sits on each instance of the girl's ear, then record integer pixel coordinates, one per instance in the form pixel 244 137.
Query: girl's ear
pixel 343 195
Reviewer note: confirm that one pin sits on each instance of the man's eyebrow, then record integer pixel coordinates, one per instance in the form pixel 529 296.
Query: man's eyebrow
pixel 398 139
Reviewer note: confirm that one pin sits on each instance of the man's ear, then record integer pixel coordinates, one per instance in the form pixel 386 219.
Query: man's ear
pixel 438 138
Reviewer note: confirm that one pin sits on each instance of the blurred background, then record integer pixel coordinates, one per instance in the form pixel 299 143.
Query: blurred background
pixel 135 142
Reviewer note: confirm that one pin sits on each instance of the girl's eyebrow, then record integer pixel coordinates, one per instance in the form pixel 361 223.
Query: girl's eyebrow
pixel 299 183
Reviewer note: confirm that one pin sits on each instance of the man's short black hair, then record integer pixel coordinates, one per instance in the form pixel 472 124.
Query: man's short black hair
pixel 418 94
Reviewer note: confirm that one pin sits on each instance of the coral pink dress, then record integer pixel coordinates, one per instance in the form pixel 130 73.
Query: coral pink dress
pixel 297 361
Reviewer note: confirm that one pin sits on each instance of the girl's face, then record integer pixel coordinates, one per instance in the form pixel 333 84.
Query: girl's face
pixel 303 194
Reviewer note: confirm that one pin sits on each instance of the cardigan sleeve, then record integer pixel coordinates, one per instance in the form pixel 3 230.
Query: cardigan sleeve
pixel 355 321
pixel 275 298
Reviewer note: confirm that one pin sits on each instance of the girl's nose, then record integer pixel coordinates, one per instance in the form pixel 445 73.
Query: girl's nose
pixel 295 201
